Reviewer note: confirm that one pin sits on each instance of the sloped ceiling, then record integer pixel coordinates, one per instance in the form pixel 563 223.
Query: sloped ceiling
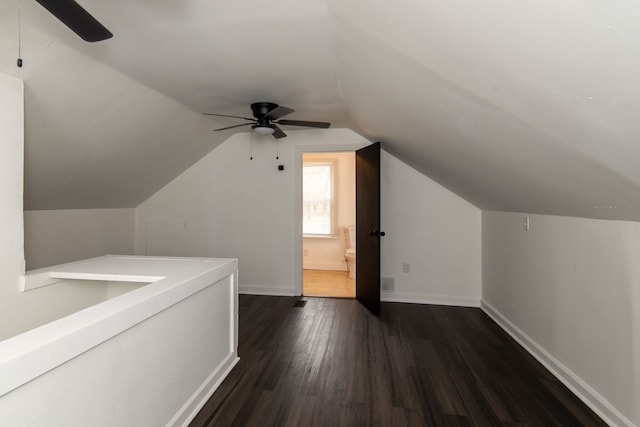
pixel 518 106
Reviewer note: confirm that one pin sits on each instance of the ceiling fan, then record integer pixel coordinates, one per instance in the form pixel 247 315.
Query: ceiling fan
pixel 77 19
pixel 266 119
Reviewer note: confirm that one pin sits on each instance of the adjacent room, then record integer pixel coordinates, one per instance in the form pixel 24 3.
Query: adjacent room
pixel 319 212
pixel 329 224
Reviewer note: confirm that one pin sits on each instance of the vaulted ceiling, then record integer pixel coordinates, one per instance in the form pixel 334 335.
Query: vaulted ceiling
pixel 518 106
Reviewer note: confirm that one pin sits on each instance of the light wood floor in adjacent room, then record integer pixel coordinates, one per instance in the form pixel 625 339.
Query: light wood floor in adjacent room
pixel 326 283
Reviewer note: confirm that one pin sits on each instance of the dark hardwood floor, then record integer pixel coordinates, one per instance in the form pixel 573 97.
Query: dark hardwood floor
pixel 332 363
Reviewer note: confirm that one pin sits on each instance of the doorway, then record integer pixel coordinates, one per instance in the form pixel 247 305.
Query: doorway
pixel 328 218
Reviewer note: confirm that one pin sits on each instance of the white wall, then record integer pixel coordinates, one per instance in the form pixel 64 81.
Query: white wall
pixel 11 161
pixel 245 209
pixel 234 207
pixel 432 229
pixel 27 310
pixel 21 311
pixel 57 236
pixel 328 253
pixel 569 289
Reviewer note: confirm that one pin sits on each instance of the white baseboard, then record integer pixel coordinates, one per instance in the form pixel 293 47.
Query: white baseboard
pixel 429 299
pixel 580 388
pixel 384 296
pixel 265 290
pixel 198 399
pixel 333 266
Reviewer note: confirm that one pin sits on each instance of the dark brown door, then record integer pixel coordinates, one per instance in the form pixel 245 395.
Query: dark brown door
pixel 368 227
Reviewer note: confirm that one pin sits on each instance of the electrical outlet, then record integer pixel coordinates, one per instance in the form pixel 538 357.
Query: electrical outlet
pixel 406 267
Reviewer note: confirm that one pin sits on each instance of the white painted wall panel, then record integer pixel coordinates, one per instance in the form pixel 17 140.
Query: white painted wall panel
pixel 44 305
pixel 148 358
pixel 21 311
pixel 11 161
pixel 141 377
pixel 433 230
pixel 570 287
pixel 58 236
pixel 166 238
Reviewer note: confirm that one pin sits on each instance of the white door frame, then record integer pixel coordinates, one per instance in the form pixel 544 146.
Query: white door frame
pixel 297 215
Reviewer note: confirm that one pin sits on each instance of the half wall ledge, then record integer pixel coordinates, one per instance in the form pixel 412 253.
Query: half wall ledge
pixel 155 353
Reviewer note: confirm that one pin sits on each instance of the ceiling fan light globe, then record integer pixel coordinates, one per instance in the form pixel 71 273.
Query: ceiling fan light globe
pixel 264 130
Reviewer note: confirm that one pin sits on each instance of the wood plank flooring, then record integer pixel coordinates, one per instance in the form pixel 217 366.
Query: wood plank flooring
pixel 332 363
pixel 328 283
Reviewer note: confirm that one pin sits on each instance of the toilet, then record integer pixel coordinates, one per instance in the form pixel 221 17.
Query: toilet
pixel 350 253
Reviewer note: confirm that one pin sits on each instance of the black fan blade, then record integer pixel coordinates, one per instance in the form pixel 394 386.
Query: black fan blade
pixel 278 112
pixel 322 125
pixel 278 133
pixel 77 19
pixel 234 126
pixel 226 115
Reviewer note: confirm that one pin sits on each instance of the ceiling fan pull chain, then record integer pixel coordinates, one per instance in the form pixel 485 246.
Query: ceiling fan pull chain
pixel 277 149
pixel 251 145
pixel 19 60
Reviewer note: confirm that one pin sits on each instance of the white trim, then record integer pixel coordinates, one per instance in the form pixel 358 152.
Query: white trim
pixel 77 270
pixel 579 387
pixel 321 236
pixel 429 299
pixel 196 402
pixel 297 199
pixel 265 290
pixel 37 280
pixel 333 266
pixel 333 217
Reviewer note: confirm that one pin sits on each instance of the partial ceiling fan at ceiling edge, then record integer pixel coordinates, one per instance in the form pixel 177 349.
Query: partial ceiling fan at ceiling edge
pixel 77 19
pixel 266 120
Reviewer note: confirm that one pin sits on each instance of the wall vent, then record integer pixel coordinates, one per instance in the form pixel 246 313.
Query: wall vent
pixel 387 284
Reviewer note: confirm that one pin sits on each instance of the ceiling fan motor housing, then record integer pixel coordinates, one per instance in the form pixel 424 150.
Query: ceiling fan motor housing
pixel 260 109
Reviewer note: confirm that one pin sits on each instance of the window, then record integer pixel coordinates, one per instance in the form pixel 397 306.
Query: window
pixel 318 198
